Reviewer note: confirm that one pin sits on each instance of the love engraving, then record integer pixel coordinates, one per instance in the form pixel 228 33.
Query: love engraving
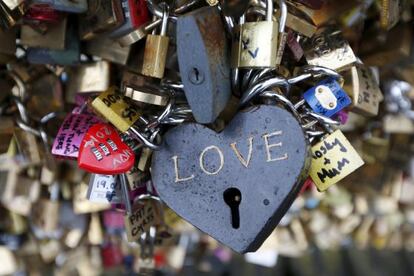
pixel 244 159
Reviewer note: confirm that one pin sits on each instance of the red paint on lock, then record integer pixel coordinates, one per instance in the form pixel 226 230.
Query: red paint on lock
pixel 111 255
pixel 44 13
pixel 102 151
pixel 138 12
pixel 307 185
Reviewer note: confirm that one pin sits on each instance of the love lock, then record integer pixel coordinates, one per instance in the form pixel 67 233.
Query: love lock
pixel 102 151
pixel 235 185
pixel 203 57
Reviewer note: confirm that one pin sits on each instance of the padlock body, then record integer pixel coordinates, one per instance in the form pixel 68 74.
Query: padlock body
pixel 327 97
pixel 203 58
pixel 116 110
pixel 333 159
pixel 155 56
pixel 364 91
pixel 255 45
pixel 329 49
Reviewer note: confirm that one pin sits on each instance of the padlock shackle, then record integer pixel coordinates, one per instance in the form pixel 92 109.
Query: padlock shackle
pixel 125 192
pixel 143 139
pixel 310 71
pixel 157 11
pixel 164 22
pixel 283 16
pixel 262 86
pixel 43 123
pixel 28 128
pixel 21 109
pixel 269 10
pixel 284 100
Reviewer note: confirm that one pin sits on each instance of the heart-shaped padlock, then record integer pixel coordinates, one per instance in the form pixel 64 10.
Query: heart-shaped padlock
pixel 103 152
pixel 235 185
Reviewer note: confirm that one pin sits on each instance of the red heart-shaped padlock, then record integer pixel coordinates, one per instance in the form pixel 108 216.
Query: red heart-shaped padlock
pixel 102 151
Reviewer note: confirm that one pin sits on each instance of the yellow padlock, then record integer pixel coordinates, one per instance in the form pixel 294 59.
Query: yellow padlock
pixel 333 159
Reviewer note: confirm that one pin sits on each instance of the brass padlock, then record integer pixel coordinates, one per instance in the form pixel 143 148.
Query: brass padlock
pixel 54 38
pixel 102 16
pixel 395 49
pixel 45 215
pixel 329 49
pixel 28 146
pixel 332 159
pixel 255 44
pixel 87 78
pixel 363 89
pixel 298 24
pixel 19 192
pixel 375 144
pixel 329 11
pixel 11 12
pixel 390 13
pixel 156 47
pixel 108 49
pixel 6 133
pixel 7 45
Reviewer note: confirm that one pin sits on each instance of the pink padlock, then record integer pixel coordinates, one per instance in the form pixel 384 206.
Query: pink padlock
pixel 71 133
pixel 113 220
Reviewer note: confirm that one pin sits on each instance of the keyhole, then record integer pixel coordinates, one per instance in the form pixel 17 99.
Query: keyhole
pixel 196 76
pixel 233 197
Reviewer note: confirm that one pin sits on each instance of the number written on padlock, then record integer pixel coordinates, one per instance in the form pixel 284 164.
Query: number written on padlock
pixel 104 189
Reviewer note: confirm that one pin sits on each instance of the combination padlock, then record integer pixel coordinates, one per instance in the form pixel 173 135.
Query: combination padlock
pixel 156 47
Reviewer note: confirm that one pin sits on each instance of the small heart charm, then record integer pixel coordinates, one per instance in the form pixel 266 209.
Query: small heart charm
pixel 103 152
pixel 235 185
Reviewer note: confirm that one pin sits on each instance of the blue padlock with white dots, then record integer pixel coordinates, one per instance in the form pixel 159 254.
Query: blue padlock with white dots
pixel 327 97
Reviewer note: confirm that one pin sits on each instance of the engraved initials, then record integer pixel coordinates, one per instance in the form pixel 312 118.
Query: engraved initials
pixel 202 158
pixel 177 177
pixel 270 146
pixel 238 154
pixel 243 158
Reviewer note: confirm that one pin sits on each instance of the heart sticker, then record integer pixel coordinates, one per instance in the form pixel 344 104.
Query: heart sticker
pixel 103 152
pixel 235 185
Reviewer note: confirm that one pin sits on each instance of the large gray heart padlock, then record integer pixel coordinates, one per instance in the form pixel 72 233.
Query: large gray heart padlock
pixel 235 185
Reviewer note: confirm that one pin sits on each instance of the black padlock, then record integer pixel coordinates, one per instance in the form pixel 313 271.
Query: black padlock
pixel 203 58
pixel 235 185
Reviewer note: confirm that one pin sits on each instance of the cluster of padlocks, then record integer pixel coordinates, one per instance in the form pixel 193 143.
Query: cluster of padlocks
pixel 116 116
